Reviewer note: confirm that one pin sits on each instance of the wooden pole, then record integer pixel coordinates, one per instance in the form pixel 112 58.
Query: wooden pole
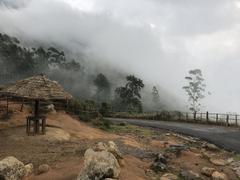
pixel 22 105
pixel 216 118
pixel 227 119
pixel 207 117
pixel 236 119
pixel 36 108
pixel 7 105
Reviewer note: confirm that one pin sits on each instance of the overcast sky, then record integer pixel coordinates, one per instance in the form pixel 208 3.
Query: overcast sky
pixel 158 40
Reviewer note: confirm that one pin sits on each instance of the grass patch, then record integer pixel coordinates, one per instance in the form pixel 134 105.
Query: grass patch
pixel 130 129
pixel 102 123
pixel 236 157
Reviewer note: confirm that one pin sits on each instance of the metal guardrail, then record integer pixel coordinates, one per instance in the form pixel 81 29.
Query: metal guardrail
pixel 200 117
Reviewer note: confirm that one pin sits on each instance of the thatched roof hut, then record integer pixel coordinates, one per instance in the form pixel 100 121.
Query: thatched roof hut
pixel 38 87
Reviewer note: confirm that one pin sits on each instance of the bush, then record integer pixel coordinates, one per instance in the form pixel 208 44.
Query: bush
pixel 105 109
pixel 85 117
pixel 102 123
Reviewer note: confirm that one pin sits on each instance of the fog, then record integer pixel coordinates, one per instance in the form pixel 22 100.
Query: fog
pixel 158 40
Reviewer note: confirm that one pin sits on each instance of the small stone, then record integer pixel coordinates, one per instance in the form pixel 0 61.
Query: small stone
pixel 177 148
pixel 158 167
pixel 190 175
pixel 160 158
pixel 29 169
pixel 169 176
pixel 207 155
pixel 218 162
pixel 219 176
pixel 211 147
pixel 43 168
pixel 207 171
pixel 230 160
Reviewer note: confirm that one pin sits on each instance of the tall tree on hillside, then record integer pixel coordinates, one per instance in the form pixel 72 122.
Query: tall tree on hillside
pixel 155 95
pixel 195 89
pixel 103 88
pixel 130 93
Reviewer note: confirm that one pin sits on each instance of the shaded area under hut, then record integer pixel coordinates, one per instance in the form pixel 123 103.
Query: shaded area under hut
pixel 35 89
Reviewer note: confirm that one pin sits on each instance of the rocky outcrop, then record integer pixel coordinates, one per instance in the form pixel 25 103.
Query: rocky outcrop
pixel 101 163
pixel 12 169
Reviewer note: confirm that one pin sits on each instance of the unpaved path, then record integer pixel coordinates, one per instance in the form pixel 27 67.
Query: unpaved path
pixel 224 137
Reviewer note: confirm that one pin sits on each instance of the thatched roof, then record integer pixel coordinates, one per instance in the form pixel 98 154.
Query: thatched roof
pixel 38 87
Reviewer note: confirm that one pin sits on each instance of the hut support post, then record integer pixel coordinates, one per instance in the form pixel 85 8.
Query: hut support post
pixel 7 105
pixel 22 106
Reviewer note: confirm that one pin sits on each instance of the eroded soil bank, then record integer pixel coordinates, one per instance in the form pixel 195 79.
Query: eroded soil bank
pixel 63 147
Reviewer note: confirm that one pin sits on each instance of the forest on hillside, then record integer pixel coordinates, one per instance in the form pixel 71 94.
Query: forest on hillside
pixel 121 91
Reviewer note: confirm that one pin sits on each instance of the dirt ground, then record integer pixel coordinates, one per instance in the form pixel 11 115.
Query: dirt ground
pixel 67 138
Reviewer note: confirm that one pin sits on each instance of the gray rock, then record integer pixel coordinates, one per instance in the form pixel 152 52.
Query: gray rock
pixel 207 171
pixel 158 167
pixel 177 148
pixel 169 176
pixel 99 165
pixel 210 147
pixel 218 162
pixel 189 175
pixel 12 169
pixel 161 158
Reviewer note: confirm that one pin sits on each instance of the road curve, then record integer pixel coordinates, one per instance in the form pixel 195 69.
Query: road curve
pixel 224 137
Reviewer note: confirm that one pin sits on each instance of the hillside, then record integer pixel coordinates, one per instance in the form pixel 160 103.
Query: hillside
pixel 67 139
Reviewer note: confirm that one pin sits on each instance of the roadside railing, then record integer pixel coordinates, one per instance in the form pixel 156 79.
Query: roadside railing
pixel 200 117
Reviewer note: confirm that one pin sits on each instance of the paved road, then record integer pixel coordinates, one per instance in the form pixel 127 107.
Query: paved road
pixel 224 137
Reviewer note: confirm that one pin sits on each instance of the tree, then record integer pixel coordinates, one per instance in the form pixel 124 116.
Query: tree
pixel 195 89
pixel 103 87
pixel 130 93
pixel 155 95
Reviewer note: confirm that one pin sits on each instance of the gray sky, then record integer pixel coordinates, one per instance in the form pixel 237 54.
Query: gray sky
pixel 159 40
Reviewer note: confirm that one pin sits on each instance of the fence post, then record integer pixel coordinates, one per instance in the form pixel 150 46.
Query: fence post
pixel 227 119
pixel 207 117
pixel 194 116
pixel 236 118
pixel 187 116
pixel 216 118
